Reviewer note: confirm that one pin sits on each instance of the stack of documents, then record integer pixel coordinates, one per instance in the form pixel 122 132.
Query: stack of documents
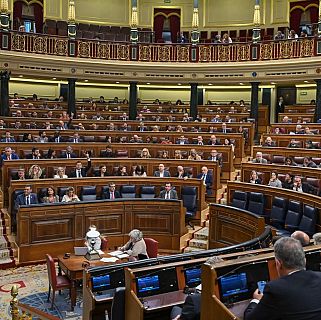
pixel 119 254
pixel 112 259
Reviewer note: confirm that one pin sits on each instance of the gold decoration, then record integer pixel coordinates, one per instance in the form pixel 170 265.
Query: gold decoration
pixel 243 52
pixel 307 48
pixel 266 50
pixel 195 20
pixel 145 53
pixel 134 22
pixel 182 53
pixel 71 11
pixel 17 42
pixel 4 6
pixel 164 53
pixel 257 17
pixel 224 53
pixel 61 47
pixel 84 49
pixel 286 49
pixel 40 45
pixel 103 51
pixel 122 52
pixel 205 54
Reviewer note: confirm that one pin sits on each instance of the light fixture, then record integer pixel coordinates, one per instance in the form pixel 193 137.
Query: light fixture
pixel 210 84
pixel 21 76
pixel 148 83
pixel 54 78
pixel 117 82
pixel 86 80
pixel 306 81
pixel 241 84
pixel 179 84
pixel 273 82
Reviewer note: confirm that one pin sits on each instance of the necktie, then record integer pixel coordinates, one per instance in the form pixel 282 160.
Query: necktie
pixel 112 196
pixel 75 140
pixel 79 173
pixel 28 201
pixel 204 178
pixel 8 140
pixel 8 158
pixel 167 195
pixel 68 155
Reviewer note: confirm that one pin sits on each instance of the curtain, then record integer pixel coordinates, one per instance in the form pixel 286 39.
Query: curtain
pixel 314 14
pixel 175 26
pixel 17 14
pixel 295 19
pixel 158 27
pixel 38 17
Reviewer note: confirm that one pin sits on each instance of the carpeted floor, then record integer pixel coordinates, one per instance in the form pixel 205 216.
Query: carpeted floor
pixel 32 282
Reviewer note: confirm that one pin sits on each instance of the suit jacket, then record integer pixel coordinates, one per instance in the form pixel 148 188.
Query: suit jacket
pixel 13 157
pixel 172 194
pixel 256 161
pixel 10 140
pixel 191 308
pixel 208 182
pixel 72 155
pixel 293 297
pixel 84 171
pixel 72 140
pixel 106 195
pixel 53 139
pixel 166 174
pixel 218 159
pixel 21 200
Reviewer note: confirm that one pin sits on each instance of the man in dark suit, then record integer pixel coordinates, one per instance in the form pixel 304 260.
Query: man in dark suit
pixel 213 141
pixel 279 108
pixel 215 156
pixel 207 178
pixel 168 193
pixel 76 138
pixel 35 154
pixel 300 186
pixel 68 154
pixel 8 138
pixel 9 155
pixel 296 295
pixel 161 172
pixel 26 198
pixel 80 171
pixel 57 138
pixel 112 193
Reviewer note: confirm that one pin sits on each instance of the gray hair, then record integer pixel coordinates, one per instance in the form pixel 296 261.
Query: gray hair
pixel 317 238
pixel 136 234
pixel 290 252
pixel 213 260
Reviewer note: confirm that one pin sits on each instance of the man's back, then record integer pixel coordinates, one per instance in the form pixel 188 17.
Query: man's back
pixel 293 297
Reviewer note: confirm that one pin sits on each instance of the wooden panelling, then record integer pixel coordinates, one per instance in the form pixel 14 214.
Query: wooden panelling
pixel 59 233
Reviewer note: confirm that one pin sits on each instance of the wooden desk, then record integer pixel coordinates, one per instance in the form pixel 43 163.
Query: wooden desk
pixel 73 268
pixel 307 117
pixel 288 127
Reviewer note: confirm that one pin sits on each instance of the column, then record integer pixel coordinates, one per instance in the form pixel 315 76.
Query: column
pixel 193 100
pixel 255 105
pixel 72 96
pixel 132 100
pixel 4 103
pixel 317 113
pixel 257 22
pixel 195 35
pixel 134 23
pixel 4 15
pixel 319 21
pixel 71 20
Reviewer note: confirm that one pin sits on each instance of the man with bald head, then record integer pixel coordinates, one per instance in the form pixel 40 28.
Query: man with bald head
pixel 302 237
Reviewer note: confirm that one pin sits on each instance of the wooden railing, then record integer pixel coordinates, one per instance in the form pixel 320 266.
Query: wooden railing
pixel 152 52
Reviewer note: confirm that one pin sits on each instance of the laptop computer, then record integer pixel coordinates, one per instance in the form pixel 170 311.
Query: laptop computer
pixel 80 251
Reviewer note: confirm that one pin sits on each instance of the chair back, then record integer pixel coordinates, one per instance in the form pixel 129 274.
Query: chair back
pixel 189 197
pixel 147 192
pixel 62 191
pixel 128 191
pixel 151 247
pixel 88 193
pixel 118 305
pixel 52 276
pixel 239 199
pixel 293 216
pixel 308 220
pixel 278 212
pixel 104 243
pixel 256 203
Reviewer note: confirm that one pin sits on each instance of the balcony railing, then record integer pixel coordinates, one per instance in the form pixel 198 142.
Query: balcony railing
pixel 151 52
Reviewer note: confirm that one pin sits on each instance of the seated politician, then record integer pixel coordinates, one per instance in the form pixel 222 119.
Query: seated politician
pixel 295 294
pixel 136 246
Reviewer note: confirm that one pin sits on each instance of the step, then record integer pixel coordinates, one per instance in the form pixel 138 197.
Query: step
pixel 192 249
pixel 201 234
pixel 196 243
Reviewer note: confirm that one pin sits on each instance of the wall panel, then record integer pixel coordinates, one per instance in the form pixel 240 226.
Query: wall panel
pixel 150 94
pixel 95 92
pixel 27 89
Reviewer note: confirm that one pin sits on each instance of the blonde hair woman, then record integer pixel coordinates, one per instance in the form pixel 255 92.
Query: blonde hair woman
pixel 145 154
pixel 60 174
pixel 35 172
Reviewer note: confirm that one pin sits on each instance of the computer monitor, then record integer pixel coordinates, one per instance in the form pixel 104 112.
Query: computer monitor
pixel 238 282
pixel 193 276
pixel 148 285
pixel 313 260
pixel 100 283
pixel 158 281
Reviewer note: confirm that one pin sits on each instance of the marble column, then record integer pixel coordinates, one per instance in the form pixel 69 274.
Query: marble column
pixel 132 100
pixel 193 100
pixel 4 103
pixel 255 105
pixel 72 96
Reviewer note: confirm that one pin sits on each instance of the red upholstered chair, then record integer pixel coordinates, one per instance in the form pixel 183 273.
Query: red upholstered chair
pixel 55 282
pixel 151 247
pixel 104 244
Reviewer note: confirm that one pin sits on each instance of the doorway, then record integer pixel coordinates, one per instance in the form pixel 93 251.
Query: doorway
pixel 167 24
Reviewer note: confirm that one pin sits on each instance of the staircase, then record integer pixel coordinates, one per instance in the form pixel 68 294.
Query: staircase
pixel 7 253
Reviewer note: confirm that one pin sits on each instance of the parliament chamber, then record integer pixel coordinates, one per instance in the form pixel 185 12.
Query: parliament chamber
pixel 193 125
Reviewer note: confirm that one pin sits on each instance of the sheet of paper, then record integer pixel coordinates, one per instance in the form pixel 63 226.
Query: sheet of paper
pixel 115 253
pixel 112 259
pixel 123 255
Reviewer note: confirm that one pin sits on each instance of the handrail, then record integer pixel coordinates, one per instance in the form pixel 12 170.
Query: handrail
pixel 159 52
pixel 27 311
